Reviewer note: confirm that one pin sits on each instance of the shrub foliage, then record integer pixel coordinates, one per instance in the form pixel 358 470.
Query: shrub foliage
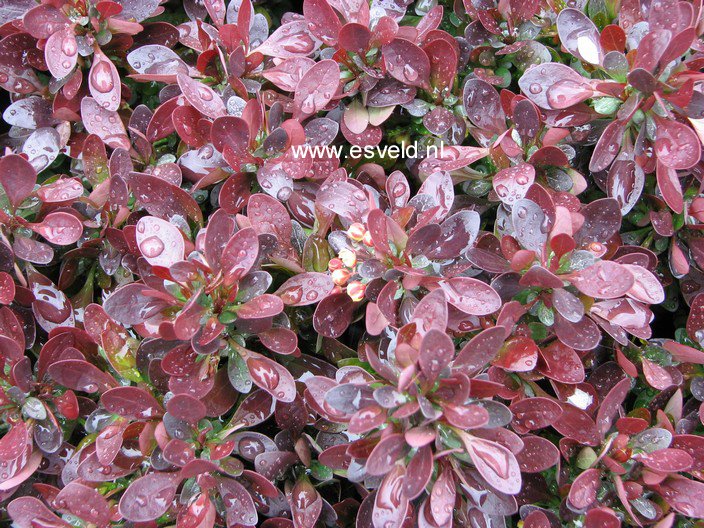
pixel 225 301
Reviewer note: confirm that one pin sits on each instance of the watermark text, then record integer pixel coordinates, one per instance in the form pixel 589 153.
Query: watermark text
pixel 403 150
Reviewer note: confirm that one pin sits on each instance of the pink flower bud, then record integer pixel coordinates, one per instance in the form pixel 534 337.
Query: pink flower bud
pixel 348 258
pixel 340 276
pixel 335 264
pixel 356 231
pixel 355 290
pixel 368 239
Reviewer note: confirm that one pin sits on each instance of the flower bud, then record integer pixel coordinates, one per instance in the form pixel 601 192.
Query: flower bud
pixel 348 258
pixel 355 290
pixel 368 239
pixel 341 276
pixel 335 264
pixel 696 208
pixel 356 231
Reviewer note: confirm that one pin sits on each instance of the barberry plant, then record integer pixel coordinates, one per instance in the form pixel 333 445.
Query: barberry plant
pixel 362 263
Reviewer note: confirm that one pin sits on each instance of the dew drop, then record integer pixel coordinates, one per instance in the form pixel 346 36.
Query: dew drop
pixel 101 77
pixel 152 247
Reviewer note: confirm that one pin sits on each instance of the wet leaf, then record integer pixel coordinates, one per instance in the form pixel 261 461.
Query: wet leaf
pixel 535 413
pixel 306 504
pixel 495 463
pixel 131 402
pixel 149 497
pixel 239 255
pixel 676 145
pixel 316 88
pixel 579 35
pixel 407 63
pixel 104 123
pixel 160 242
pixel 201 96
pixel 584 488
pixel 604 280
pixel 239 506
pixel 471 295
pixel 104 82
pixel 17 177
pixel 271 377
pixel 538 454
pixel 61 52
pixel 512 184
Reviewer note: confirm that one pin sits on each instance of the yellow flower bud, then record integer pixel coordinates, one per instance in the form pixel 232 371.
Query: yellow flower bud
pixel 356 231
pixel 355 290
pixel 348 258
pixel 340 276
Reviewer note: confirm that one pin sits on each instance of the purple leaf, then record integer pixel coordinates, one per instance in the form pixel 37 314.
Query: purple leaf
pixel 535 413
pixel 390 505
pixel 584 488
pixel 306 504
pixel 305 288
pixel 472 296
pixel 407 63
pixel 261 307
pixel 61 52
pixel 385 454
pixel 131 402
pixel 558 79
pixel 676 145
pixel 104 123
pixel 201 96
pixel 481 349
pixel 160 242
pixel 104 82
pixel 80 375
pixel 333 314
pixel 316 88
pixel 436 352
pixel 292 39
pixel 538 454
pixel 271 377
pixel 561 363
pixel 513 183
pixel 442 497
pixel 239 505
pixel 603 280
pixel 482 104
pixel 495 463
pixel 579 35
pixel 17 177
pixel 419 471
pixel 149 497
pixel 239 255
pixel 28 512
pixel 84 502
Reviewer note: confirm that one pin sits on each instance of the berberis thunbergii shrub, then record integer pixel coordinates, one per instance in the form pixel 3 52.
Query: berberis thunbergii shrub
pixel 352 263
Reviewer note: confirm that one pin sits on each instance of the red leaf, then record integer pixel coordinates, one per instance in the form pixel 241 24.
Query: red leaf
pixel 17 177
pixel 584 488
pixel 316 88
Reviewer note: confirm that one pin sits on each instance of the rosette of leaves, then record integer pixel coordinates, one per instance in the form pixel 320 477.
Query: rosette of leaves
pixel 71 35
pixel 640 107
pixel 428 424
pixel 642 458
pixel 511 127
pixel 417 247
pixel 50 206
